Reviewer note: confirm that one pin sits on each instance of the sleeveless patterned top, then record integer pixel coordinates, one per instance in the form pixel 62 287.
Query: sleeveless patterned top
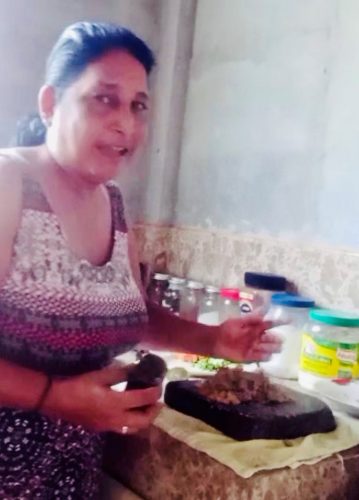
pixel 63 316
pixel 58 313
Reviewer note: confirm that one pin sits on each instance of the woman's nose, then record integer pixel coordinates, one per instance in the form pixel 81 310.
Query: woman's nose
pixel 124 122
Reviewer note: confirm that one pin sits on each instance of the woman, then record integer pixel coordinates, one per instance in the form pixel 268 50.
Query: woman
pixel 70 296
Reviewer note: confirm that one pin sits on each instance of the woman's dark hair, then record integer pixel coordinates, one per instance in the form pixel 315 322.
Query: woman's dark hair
pixel 79 45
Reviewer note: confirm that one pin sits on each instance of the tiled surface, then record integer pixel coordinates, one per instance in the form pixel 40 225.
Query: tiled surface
pixel 329 275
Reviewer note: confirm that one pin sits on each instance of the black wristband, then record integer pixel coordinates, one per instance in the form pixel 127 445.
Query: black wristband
pixel 44 394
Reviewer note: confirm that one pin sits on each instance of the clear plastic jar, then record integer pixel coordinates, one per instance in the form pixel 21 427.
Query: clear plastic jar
pixel 190 300
pixel 208 313
pixel 329 348
pixel 291 312
pixel 229 307
pixel 262 286
pixel 172 295
pixel 157 288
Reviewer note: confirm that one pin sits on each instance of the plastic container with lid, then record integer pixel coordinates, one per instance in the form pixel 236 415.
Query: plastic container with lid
pixel 172 295
pixel 259 290
pixel 329 347
pixel 190 300
pixel 157 287
pixel 291 312
pixel 208 313
pixel 229 305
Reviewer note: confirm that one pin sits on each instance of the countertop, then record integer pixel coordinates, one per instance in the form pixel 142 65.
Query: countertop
pixel 156 466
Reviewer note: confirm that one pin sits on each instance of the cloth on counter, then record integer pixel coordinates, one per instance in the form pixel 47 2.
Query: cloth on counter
pixel 246 458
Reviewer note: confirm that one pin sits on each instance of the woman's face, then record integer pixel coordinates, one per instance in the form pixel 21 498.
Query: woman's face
pixel 101 119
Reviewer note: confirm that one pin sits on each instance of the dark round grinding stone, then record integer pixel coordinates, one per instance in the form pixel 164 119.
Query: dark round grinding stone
pixel 301 416
pixel 149 372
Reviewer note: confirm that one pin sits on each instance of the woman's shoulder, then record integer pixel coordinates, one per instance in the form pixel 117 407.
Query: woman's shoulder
pixel 10 206
pixel 114 188
pixel 115 195
pixel 17 164
pixel 11 174
pixel 118 209
pixel 14 160
pixel 11 169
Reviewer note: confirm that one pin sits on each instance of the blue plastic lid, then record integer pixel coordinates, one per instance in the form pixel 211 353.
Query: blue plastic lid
pixel 291 300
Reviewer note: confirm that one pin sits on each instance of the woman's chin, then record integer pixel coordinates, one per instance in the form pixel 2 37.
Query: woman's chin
pixel 103 174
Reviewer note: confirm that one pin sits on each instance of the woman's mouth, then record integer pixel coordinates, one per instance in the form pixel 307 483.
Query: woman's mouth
pixel 114 152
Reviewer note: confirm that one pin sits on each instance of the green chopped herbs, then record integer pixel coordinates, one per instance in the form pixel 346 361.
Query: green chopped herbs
pixel 211 364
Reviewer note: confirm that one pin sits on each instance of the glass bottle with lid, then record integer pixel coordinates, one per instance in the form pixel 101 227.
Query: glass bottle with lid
pixel 229 307
pixel 260 288
pixel 157 287
pixel 329 347
pixel 190 300
pixel 208 313
pixel 172 295
pixel 291 313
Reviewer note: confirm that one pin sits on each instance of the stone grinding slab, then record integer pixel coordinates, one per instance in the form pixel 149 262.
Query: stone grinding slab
pixel 301 416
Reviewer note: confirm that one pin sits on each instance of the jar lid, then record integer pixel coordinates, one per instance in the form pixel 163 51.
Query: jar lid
pixel 195 285
pixel 174 287
pixel 230 293
pixel 265 281
pixel 160 276
pixel 177 281
pixel 292 300
pixel 336 318
pixel 247 294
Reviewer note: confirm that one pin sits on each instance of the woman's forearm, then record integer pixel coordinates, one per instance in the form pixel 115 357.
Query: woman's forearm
pixel 169 332
pixel 20 387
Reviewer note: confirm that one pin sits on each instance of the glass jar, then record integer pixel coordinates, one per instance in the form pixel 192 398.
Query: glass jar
pixel 262 286
pixel 157 287
pixel 229 307
pixel 246 301
pixel 172 295
pixel 329 348
pixel 190 300
pixel 208 313
pixel 291 313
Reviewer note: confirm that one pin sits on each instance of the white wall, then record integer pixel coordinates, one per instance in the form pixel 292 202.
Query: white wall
pixel 271 128
pixel 169 100
pixel 339 199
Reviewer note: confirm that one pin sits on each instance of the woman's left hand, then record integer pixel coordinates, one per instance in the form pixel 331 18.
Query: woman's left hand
pixel 246 339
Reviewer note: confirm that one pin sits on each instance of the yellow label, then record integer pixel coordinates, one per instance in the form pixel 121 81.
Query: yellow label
pixel 329 359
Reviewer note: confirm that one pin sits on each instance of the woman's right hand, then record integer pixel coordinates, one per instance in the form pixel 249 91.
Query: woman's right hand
pixel 88 400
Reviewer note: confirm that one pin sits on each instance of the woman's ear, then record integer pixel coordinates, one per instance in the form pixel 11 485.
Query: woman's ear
pixel 46 103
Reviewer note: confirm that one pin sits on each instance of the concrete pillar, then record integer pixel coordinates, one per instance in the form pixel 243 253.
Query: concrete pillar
pixel 175 49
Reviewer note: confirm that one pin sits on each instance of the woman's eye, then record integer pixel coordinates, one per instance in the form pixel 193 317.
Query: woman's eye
pixel 139 106
pixel 107 100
